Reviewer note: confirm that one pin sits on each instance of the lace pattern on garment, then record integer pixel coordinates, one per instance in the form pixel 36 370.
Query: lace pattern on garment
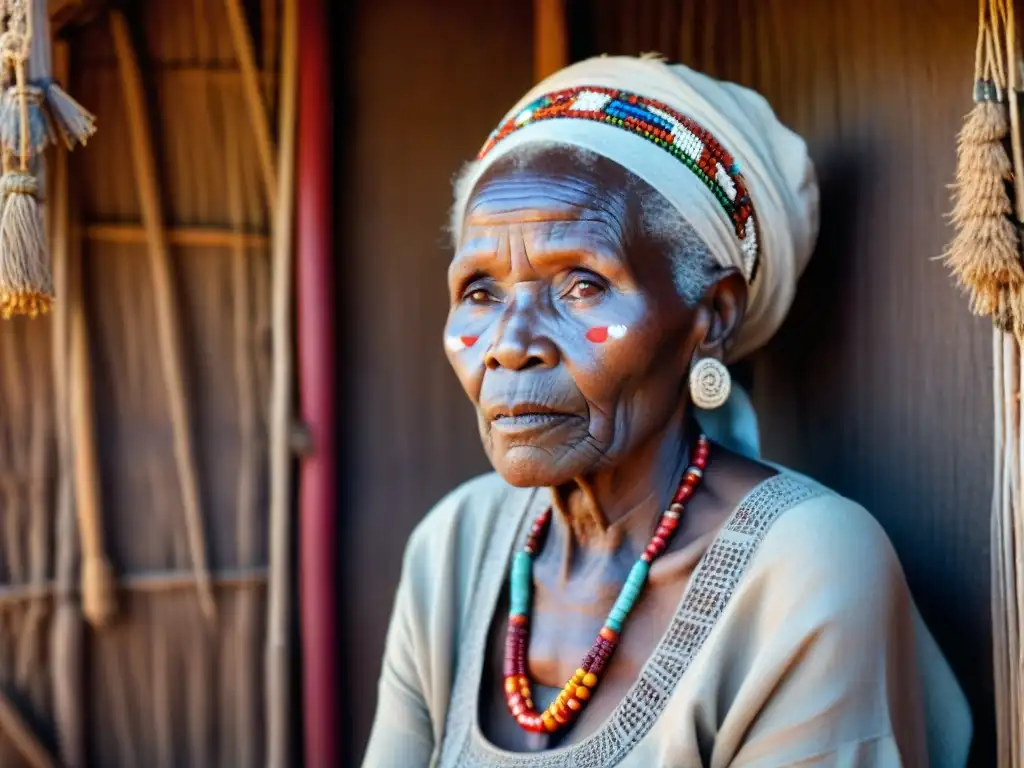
pixel 712 584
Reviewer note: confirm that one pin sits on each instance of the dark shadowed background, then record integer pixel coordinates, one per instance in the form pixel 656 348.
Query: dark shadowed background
pixel 878 384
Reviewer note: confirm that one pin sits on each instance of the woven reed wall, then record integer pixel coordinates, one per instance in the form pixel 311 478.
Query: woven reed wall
pixel 162 686
pixel 879 384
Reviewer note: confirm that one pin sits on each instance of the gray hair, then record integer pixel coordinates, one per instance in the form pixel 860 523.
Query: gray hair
pixel 693 268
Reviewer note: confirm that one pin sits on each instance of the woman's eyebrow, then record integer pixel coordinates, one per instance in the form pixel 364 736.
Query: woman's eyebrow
pixel 483 244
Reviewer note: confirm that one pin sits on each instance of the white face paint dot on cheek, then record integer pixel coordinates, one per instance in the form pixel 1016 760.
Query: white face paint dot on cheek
pixel 616 331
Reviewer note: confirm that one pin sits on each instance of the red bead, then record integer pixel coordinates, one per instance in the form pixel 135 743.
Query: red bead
pixel 651 551
pixel 700 462
pixel 685 491
pixel 669 523
pixel 659 542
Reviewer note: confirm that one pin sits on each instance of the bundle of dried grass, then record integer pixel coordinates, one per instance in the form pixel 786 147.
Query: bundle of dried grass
pixel 984 254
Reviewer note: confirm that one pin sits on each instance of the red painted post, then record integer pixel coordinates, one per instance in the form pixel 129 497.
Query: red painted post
pixel 318 501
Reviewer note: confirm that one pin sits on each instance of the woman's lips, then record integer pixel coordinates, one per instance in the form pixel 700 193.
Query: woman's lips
pixel 526 417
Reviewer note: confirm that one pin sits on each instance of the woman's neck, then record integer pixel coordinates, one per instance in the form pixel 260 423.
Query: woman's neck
pixel 621 505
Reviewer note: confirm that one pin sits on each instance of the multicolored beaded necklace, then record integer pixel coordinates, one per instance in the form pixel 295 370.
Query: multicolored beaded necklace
pixel 574 695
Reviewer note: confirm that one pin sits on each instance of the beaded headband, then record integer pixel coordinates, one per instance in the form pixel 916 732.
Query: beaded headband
pixel 663 126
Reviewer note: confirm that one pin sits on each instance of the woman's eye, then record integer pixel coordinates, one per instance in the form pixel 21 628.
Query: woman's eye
pixel 585 289
pixel 478 296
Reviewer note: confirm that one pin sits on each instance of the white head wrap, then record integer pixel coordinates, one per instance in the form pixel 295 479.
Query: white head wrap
pixel 772 160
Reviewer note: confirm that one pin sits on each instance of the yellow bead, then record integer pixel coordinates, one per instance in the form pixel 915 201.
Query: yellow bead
pixel 511 685
pixel 590 680
pixel 583 693
pixel 580 674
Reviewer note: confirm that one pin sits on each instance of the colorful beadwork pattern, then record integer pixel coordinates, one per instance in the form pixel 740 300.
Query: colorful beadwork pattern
pixel 677 134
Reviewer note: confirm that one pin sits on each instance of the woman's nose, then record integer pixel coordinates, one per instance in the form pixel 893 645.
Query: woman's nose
pixel 520 344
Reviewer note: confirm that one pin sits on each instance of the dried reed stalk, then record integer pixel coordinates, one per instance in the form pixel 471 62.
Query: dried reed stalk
pixel 29 645
pixel 279 611
pixel 247 510
pixel 99 597
pixel 24 738
pixel 66 638
pixel 244 50
pixel 1011 501
pixel 168 331
pixel 1008 499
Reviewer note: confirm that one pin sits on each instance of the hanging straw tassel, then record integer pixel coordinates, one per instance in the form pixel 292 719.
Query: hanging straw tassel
pixel 74 123
pixel 67 119
pixel 41 133
pixel 53 115
pixel 26 287
pixel 984 254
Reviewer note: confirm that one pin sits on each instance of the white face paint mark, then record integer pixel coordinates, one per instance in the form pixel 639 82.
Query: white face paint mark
pixel 616 331
pixel 459 343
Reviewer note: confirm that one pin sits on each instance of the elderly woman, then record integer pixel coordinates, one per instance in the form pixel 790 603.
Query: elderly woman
pixel 628 589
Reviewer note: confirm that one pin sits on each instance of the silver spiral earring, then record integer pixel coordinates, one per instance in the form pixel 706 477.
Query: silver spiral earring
pixel 710 383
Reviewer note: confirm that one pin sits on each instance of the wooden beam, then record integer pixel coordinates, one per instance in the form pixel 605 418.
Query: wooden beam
pixel 188 237
pixel 148 582
pixel 550 38
pixel 241 36
pixel 168 331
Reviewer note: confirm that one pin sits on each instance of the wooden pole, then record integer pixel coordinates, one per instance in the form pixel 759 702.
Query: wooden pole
pixel 550 38
pixel 318 469
pixel 244 50
pixel 66 638
pixel 248 511
pixel 278 659
pixel 168 332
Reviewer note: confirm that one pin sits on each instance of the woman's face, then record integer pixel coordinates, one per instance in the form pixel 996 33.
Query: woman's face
pixel 566 328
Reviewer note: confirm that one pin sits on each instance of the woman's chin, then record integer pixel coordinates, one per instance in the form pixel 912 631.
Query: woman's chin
pixel 528 466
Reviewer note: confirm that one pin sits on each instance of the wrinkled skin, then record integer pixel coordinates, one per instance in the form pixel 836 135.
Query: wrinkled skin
pixel 545 255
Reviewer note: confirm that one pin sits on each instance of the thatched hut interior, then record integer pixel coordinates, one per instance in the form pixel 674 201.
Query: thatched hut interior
pixel 138 431
pixel 147 423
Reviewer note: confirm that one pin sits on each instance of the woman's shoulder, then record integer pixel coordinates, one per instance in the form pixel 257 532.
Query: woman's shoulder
pixel 828 541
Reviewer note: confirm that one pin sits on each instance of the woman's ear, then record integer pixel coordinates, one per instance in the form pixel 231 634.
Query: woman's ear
pixel 727 301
